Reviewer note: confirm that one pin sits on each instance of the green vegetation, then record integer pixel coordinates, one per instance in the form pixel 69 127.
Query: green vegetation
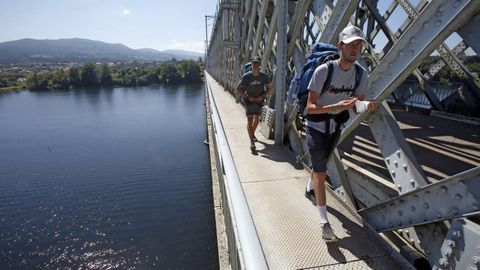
pixel 446 75
pixel 105 75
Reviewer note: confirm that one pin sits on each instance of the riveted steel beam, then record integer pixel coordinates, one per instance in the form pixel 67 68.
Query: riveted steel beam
pixel 260 26
pixel 321 11
pixel 399 158
pixel 438 20
pixel 435 68
pixel 272 29
pixel 294 29
pixel 461 249
pixel 369 188
pixel 340 17
pixel 253 14
pixel 298 60
pixel 245 12
pixel 381 22
pixel 339 180
pixel 460 70
pixel 447 55
pixel 280 72
pixel 371 35
pixel 453 197
pixel 470 34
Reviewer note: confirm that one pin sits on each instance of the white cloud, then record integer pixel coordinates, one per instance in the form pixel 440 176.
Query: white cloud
pixel 126 11
pixel 187 46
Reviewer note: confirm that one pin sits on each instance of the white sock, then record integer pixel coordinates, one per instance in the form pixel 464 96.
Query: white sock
pixel 309 184
pixel 323 214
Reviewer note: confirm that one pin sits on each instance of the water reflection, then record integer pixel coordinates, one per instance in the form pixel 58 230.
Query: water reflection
pixel 105 179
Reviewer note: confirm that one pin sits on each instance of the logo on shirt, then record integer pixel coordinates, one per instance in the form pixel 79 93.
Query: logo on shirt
pixel 337 90
pixel 256 83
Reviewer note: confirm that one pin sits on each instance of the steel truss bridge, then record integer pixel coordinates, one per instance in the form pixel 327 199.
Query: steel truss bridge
pixel 439 219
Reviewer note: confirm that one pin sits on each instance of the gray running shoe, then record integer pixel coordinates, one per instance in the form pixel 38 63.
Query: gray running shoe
pixel 327 234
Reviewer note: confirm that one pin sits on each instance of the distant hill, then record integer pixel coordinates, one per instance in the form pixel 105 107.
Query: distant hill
pixel 81 50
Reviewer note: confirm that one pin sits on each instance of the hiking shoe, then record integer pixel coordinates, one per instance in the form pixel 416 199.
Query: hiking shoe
pixel 252 146
pixel 327 234
pixel 311 196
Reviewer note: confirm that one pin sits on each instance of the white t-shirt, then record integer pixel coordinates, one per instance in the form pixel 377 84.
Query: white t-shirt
pixel 340 88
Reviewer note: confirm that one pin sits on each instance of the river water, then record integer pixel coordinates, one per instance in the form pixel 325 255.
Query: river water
pixel 106 179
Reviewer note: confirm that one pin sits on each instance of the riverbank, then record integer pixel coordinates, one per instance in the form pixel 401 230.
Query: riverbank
pixel 11 89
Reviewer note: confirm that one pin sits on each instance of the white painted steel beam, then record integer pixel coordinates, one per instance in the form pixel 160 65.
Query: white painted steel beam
pixel 470 33
pixel 339 180
pixel 453 197
pixel 253 14
pixel 460 248
pixel 294 29
pixel 260 26
pixel 340 17
pixel 438 20
pixel 399 158
pixel 425 29
pixel 271 35
pixel 280 73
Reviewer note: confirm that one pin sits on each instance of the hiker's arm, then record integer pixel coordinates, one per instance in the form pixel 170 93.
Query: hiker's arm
pixel 361 92
pixel 241 90
pixel 268 89
pixel 312 107
pixel 372 104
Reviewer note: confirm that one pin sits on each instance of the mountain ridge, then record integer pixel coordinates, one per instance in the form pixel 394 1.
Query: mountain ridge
pixel 29 50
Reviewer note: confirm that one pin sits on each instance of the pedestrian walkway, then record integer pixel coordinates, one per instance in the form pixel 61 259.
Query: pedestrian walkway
pixel 288 225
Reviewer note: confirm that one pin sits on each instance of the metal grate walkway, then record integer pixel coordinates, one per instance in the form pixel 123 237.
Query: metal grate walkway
pixel 288 225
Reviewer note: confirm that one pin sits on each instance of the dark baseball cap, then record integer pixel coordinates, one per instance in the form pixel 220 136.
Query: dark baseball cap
pixel 256 59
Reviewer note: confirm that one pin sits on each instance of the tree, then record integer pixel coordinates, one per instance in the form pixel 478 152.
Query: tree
pixel 74 76
pixel 89 75
pixel 168 73
pixel 38 81
pixel 105 75
pixel 190 71
pixel 58 80
pixel 3 81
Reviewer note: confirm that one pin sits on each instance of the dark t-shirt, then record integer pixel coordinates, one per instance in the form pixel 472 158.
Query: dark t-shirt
pixel 255 85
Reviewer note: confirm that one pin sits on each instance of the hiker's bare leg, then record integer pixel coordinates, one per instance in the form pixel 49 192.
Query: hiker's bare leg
pixel 250 126
pixel 318 179
pixel 256 120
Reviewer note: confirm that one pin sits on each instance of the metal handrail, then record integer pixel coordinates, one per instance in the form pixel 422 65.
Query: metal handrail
pixel 249 248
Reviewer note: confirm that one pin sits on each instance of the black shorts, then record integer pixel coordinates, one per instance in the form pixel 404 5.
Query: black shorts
pixel 320 147
pixel 253 108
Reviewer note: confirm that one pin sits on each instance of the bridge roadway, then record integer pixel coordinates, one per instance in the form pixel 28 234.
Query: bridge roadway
pixel 287 224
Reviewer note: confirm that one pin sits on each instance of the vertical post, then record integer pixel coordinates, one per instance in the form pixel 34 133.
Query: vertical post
pixel 280 73
pixel 206 42
pixel 205 60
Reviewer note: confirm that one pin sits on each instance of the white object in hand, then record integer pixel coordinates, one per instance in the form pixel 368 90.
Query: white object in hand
pixel 361 106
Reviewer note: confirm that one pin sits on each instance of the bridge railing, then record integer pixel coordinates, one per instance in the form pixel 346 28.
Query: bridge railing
pixel 402 35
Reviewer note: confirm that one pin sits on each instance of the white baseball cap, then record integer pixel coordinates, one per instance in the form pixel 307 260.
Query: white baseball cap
pixel 350 34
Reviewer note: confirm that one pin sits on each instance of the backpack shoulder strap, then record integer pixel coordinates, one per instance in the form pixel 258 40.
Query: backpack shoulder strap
pixel 358 75
pixel 328 80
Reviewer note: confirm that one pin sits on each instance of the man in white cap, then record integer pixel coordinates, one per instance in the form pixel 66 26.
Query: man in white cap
pixel 327 108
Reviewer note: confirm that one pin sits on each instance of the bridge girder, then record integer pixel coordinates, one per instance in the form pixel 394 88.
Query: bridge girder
pixel 259 27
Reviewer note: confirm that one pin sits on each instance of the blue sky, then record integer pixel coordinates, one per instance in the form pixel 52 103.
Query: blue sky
pixel 155 24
